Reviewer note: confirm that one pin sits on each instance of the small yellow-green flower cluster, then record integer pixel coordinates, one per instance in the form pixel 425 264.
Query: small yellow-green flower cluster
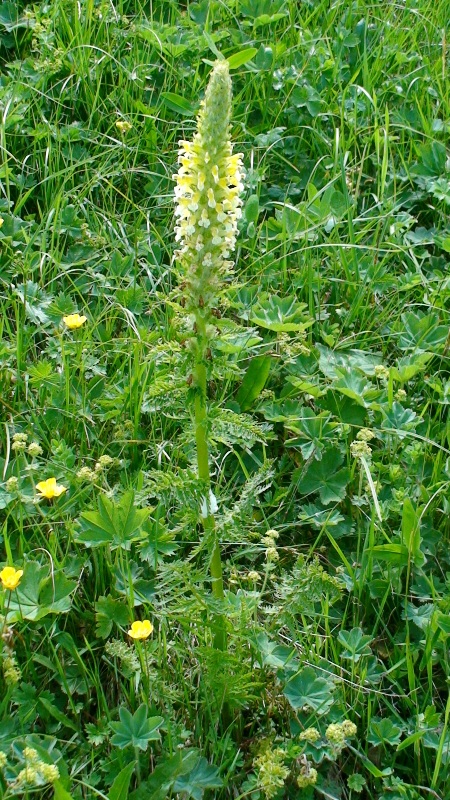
pixel 87 474
pixel 34 449
pixel 365 435
pixel 307 777
pixel 310 735
pixel 269 540
pixel 381 372
pixel 360 449
pixel 3 759
pixel 123 126
pixel 35 772
pixel 338 732
pixel 11 672
pixel 207 195
pixel 271 771
pixel 19 445
pixel 12 484
pixel 91 475
pixel 19 442
pixel 400 395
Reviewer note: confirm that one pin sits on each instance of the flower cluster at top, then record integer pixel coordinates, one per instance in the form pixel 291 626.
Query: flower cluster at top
pixel 207 196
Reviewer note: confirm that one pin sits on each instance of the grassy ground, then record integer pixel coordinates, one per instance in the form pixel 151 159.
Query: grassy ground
pixel 329 385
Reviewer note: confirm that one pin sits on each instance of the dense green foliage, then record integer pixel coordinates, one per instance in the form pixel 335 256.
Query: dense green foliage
pixel 329 386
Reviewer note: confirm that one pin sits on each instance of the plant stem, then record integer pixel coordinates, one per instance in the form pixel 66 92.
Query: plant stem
pixel 201 421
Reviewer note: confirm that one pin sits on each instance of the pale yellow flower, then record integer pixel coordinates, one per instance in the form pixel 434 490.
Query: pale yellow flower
pixel 74 321
pixel 10 577
pixel 141 630
pixel 50 488
pixel 123 125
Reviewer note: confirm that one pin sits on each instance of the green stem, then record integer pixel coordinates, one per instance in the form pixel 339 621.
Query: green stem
pixel 220 637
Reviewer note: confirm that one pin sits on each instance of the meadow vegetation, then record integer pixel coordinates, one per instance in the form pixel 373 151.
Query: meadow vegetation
pixel 273 621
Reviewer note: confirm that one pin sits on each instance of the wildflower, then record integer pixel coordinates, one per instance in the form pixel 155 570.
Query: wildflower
pixel 1 221
pixel 381 372
pixel 141 630
pixel 28 775
pixel 30 754
pixel 335 734
pixel 272 771
pixel 11 671
pixel 86 474
pixel 74 321
pixel 50 489
pixel 104 462
pixel 207 195
pixel 253 576
pixel 365 435
pixel 34 449
pixel 310 735
pixel 12 484
pixel 18 446
pixel 10 577
pixel 20 437
pixel 49 772
pixel 349 728
pixel 307 777
pixel 360 450
pixel 400 395
pixel 3 759
pixel 123 126
pixel 272 554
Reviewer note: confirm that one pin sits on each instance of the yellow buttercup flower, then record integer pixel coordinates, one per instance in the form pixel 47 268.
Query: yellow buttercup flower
pixel 141 630
pixel 74 321
pixel 10 577
pixel 50 488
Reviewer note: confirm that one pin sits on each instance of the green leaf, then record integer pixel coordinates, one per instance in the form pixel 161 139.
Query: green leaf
pixel 157 786
pixel 324 477
pixel 392 553
pixel 109 612
pixel 280 314
pixel 60 793
pixel 117 524
pixel 119 789
pixel 40 593
pixel 411 532
pixel 383 731
pixel 306 689
pixel 254 381
pixel 355 643
pixel 202 776
pixel 179 104
pixel 240 58
pixel 135 730
pixel 57 714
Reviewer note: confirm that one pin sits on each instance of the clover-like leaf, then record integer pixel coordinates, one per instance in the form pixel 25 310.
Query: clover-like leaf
pixel 356 644
pixel 202 776
pixel 307 689
pixel 117 524
pixel 280 314
pixel 384 731
pixel 324 477
pixel 136 730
